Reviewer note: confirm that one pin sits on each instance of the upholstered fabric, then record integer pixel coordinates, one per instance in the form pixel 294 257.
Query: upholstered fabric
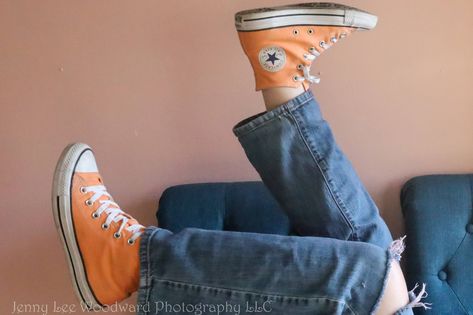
pixel 438 214
pixel 243 206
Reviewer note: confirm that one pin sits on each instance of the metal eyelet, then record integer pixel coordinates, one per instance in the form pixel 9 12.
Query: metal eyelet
pixel 310 31
pixel 117 235
pixel 95 215
pixel 105 226
pixel 295 78
pixel 333 39
pixel 83 190
pixel 300 67
pixel 295 32
pixel 130 241
pixel 323 44
pixel 89 202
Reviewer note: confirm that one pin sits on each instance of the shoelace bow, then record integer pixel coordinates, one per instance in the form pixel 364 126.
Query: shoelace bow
pixel 311 56
pixel 113 211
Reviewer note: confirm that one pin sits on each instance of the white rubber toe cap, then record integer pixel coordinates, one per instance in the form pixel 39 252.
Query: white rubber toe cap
pixel 86 163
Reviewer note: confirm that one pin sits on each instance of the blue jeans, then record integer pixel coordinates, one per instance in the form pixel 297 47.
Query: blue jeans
pixel 337 265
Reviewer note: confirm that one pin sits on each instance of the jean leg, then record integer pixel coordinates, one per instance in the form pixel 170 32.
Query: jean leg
pixel 235 272
pixel 295 153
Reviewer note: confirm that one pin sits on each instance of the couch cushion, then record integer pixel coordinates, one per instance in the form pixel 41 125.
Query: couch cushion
pixel 242 206
pixel 438 214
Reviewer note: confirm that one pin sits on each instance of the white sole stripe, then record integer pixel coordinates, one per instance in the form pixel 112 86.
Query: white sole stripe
pixel 287 16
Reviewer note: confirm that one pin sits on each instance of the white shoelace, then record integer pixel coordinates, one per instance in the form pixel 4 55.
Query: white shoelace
pixel 113 211
pixel 310 57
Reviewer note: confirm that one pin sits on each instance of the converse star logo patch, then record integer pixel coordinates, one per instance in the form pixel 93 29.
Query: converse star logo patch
pixel 272 59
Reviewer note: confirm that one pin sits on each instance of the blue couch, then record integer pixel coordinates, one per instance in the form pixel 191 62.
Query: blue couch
pixel 437 210
pixel 438 213
pixel 242 206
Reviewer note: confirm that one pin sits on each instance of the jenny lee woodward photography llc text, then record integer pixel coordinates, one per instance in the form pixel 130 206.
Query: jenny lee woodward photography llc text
pixel 160 307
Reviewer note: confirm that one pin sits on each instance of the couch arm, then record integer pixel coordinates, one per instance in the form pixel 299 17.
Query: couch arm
pixel 438 215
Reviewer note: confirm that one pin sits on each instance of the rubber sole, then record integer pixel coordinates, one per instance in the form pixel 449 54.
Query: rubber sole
pixel 61 201
pixel 316 13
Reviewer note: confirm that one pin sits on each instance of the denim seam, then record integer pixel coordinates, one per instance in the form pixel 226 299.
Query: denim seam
pixel 261 124
pixel 148 267
pixel 284 108
pixel 143 286
pixel 332 188
pixel 315 156
pixel 347 305
pixel 293 108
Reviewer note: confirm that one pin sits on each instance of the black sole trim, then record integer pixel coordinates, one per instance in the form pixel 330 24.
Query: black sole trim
pixel 329 25
pixel 68 250
pixel 295 14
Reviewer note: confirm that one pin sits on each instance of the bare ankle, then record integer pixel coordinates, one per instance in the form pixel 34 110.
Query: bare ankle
pixel 395 294
pixel 275 97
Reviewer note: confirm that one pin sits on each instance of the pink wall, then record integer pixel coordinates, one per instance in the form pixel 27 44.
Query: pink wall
pixel 156 86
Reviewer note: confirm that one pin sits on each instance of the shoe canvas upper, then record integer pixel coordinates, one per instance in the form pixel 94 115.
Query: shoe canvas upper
pixel 111 264
pixel 285 48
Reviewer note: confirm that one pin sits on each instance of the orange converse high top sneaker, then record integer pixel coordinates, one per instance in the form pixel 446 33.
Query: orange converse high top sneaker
pixel 282 42
pixel 100 240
